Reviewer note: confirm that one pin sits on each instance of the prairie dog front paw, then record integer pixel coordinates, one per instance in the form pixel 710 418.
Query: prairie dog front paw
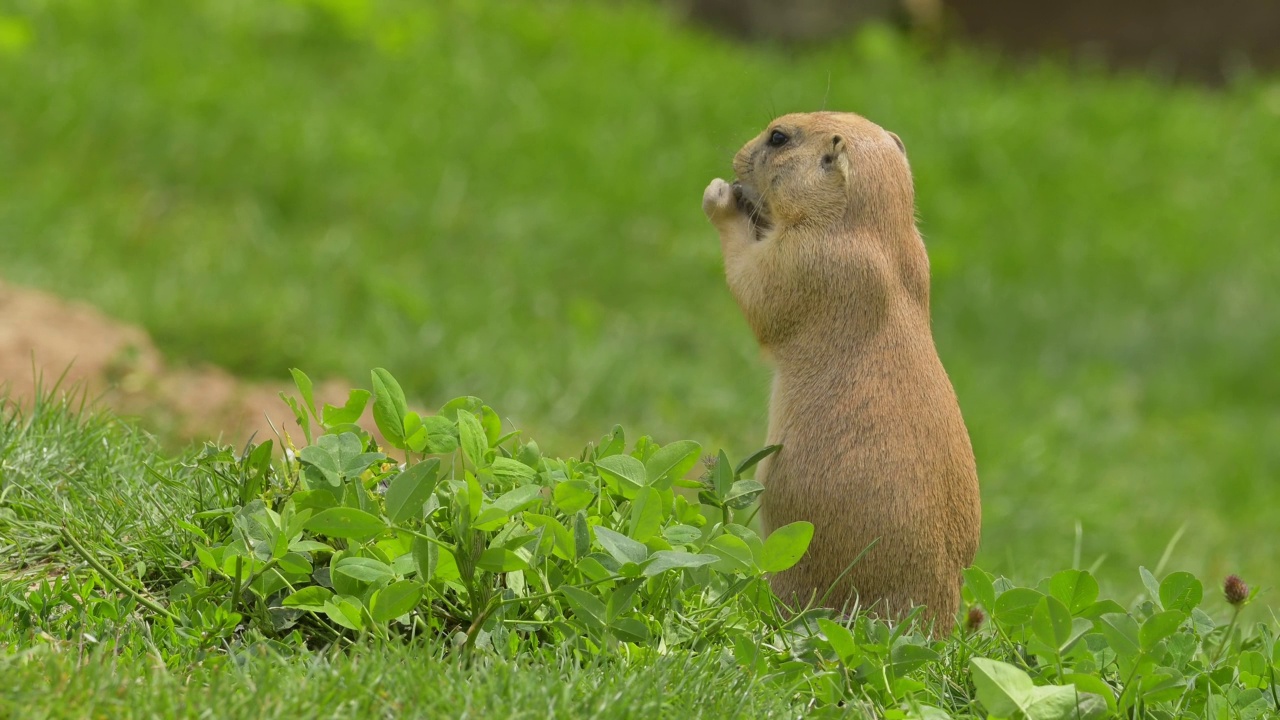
pixel 718 201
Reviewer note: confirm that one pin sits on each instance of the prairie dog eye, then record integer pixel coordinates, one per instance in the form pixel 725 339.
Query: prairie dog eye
pixel 777 138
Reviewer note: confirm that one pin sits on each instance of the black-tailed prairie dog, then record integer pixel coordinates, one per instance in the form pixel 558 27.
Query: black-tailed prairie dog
pixel 822 253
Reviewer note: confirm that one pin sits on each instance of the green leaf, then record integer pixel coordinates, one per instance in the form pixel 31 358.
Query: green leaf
pixel 742 493
pixel 841 640
pixel 466 403
pixel 722 477
pixel 734 554
pixel 1015 607
pixel 294 564
pixel 389 407
pixel 404 564
pixel 672 462
pixel 907 658
pixel 1051 622
pixel 682 534
pixel 364 569
pixel 1160 626
pixel 501 560
pixel 310 598
pixel 593 570
pixel 571 496
pixel 749 536
pixel 1002 688
pixel 749 654
pixel 492 425
pixel 299 414
pixel 427 555
pixel 260 457
pixel 491 518
pixel 410 489
pixel 1101 608
pixel 441 435
pixel 1121 632
pixel 310 546
pixel 474 443
pixel 980 585
pixel 395 600
pixel 1007 692
pixel 313 499
pixel 345 522
pixel 785 546
pixel 1252 662
pixel 349 413
pixel 627 471
pixel 1181 591
pixel 619 546
pixel 1093 685
pixel 415 433
pixel 664 560
pixel 1076 589
pixel 1153 587
pixel 512 469
pixel 612 444
pixel 558 534
pixel 345 611
pixel 755 459
pixel 447 566
pixel 338 457
pixel 474 496
pixel 529 455
pixel 646 514
pixel 587 608
pixel 1163 684
pixel 306 388
pixel 621 600
pixel 324 462
pixel 518 499
pixel 630 630
pixel 581 536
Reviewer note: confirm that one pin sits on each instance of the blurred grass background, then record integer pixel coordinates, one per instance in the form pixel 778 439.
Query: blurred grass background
pixel 502 199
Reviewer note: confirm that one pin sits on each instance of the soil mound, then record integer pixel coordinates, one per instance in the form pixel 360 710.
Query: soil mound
pixel 43 336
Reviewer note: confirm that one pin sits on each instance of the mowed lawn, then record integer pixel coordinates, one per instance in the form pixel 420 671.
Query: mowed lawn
pixel 502 199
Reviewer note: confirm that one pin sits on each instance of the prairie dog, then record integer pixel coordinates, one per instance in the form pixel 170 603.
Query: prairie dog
pixel 822 254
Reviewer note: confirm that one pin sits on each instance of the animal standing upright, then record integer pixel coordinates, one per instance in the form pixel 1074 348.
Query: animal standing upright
pixel 822 254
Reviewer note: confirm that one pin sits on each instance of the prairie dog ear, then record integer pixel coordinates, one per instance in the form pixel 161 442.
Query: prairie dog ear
pixel 836 157
pixel 898 140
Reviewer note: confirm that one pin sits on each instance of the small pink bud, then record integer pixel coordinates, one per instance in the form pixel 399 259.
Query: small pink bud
pixel 1235 590
pixel 975 619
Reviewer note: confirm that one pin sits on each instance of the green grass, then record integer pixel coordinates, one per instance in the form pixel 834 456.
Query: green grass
pixel 525 180
pixel 63 464
pixel 73 651
pixel 388 682
pixel 115 488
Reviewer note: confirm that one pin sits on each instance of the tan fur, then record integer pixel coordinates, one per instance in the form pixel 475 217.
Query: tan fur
pixel 822 253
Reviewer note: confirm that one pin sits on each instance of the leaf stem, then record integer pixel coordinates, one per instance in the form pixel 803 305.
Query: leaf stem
pixel 493 607
pixel 1271 671
pixel 253 578
pixel 235 591
pixel 428 538
pixel 110 577
pixel 1226 637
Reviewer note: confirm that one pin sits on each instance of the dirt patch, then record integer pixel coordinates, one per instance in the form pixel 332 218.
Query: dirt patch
pixel 43 336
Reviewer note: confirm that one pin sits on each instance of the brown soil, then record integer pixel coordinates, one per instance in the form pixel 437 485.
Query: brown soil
pixel 42 336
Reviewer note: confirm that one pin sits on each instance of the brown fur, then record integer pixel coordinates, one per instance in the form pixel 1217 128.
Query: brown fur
pixel 822 253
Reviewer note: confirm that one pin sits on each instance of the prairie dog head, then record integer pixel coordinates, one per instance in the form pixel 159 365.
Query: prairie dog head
pixel 824 171
pixel 818 231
